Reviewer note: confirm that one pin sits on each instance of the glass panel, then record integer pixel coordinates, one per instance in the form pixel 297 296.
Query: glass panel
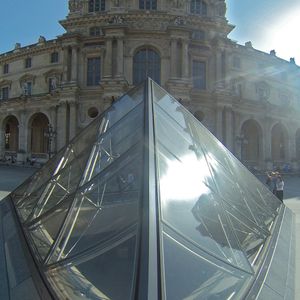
pixel 63 184
pixel 108 274
pixel 113 143
pixel 250 237
pixel 184 180
pixel 105 207
pixel 195 275
pixel 84 140
pixel 44 232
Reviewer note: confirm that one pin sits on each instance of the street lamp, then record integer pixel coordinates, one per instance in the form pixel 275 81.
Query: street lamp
pixel 50 134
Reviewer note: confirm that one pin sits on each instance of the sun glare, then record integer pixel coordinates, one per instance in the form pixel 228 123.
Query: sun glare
pixel 283 36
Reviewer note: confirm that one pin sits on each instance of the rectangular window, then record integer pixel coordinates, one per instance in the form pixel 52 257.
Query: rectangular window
pixel 5 68
pixel 4 93
pixel 147 4
pixel 236 62
pixel 96 5
pixel 93 71
pixel 199 75
pixel 54 57
pixel 28 62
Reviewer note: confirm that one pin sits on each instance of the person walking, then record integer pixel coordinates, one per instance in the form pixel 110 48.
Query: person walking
pixel 279 188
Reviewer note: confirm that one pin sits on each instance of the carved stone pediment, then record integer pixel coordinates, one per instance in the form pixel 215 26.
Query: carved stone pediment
pixel 27 77
pixel 5 83
pixel 53 73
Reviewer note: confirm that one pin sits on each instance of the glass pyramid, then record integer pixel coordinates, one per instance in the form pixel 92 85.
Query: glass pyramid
pixel 145 203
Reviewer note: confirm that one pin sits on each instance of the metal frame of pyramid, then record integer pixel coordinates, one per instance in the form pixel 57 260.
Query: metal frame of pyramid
pixel 145 203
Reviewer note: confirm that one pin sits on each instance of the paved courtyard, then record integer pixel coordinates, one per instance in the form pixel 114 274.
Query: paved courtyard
pixel 12 176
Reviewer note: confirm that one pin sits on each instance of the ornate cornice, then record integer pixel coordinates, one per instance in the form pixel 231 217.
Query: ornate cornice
pixel 29 50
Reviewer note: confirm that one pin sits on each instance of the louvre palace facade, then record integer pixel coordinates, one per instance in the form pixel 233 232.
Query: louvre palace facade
pixel 250 100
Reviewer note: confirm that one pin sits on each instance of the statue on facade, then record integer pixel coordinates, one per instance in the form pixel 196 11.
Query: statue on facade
pixel 75 6
pixel 42 39
pixel 116 3
pixel 179 21
pixel 179 4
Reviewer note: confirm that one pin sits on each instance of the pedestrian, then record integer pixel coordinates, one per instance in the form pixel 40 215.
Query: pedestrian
pixel 269 182
pixel 279 188
pixel 274 176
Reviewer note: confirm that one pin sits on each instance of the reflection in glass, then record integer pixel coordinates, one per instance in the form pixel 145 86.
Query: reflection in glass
pixel 194 275
pixel 108 274
pixel 104 208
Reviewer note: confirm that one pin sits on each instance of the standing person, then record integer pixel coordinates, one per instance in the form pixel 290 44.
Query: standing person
pixel 269 182
pixel 279 188
pixel 274 176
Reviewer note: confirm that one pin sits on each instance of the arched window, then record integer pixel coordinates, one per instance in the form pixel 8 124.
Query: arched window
pixel 199 7
pixel 146 63
pixel 147 4
pixel 11 133
pixel 96 5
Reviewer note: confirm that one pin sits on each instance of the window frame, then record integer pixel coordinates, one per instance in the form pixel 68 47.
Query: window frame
pixel 93 75
pixel 96 6
pixel 28 63
pixel 148 4
pixel 201 83
pixel 142 66
pixel 54 57
pixel 5 68
pixel 4 95
pixel 198 7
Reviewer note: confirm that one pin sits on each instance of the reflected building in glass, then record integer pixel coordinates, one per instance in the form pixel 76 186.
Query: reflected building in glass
pixel 145 203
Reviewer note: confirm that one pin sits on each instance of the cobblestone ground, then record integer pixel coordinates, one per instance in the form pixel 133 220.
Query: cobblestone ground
pixel 11 177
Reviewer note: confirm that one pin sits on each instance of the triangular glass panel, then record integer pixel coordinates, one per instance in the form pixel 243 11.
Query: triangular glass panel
pixel 114 142
pixel 107 273
pixel 44 231
pixel 106 207
pixel 60 186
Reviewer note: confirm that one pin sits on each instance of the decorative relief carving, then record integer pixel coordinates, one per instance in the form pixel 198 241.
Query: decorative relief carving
pixel 148 24
pixel 115 20
pixel 180 21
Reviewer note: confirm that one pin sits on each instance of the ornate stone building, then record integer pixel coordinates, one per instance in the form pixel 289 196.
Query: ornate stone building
pixel 50 90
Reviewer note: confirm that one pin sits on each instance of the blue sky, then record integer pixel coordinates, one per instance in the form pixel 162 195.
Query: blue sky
pixel 269 24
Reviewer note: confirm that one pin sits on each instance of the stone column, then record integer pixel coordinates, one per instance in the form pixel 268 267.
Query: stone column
pixel 218 70
pixel 229 126
pixel 267 140
pixel 73 118
pixel 219 122
pixel 74 64
pixel 108 59
pixel 120 57
pixel 185 59
pixel 65 64
pixel 53 122
pixel 23 133
pixel 61 124
pixel 173 60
